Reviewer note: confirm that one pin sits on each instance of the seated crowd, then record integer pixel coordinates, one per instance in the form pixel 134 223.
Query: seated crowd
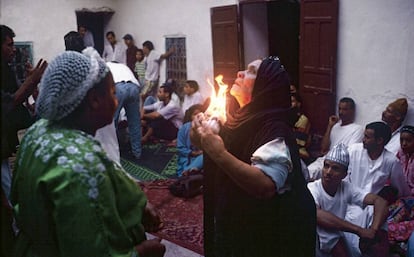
pixel 362 180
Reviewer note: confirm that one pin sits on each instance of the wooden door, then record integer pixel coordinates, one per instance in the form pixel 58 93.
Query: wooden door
pixel 226 42
pixel 317 61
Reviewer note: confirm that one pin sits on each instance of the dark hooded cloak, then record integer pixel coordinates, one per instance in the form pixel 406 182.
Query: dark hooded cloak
pixel 238 224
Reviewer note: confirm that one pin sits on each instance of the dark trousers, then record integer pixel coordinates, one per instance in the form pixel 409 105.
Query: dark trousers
pixel 164 129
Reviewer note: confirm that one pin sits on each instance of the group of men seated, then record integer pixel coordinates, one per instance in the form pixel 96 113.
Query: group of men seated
pixel 147 113
pixel 356 180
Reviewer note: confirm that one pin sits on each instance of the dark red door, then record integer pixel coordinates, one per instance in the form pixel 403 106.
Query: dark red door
pixel 317 61
pixel 226 43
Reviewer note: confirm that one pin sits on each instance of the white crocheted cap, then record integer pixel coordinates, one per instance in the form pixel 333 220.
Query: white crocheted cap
pixel 339 153
pixel 67 80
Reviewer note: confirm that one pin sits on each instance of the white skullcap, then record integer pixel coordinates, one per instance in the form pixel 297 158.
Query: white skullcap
pixel 339 153
pixel 67 80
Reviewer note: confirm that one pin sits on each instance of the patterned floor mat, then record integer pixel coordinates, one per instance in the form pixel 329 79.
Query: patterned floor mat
pixel 158 161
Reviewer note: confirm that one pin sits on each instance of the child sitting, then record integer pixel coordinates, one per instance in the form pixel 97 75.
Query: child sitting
pixel 191 95
pixel 189 157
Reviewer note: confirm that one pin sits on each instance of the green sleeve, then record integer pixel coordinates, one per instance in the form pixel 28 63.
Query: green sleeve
pixel 96 213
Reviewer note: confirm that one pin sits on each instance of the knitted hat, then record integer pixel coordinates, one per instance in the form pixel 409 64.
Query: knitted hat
pixel 339 153
pixel 400 105
pixel 66 81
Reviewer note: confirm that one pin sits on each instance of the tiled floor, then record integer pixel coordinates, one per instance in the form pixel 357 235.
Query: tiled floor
pixel 173 250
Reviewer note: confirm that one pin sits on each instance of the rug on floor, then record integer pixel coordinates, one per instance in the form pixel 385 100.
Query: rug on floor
pixel 182 218
pixel 158 161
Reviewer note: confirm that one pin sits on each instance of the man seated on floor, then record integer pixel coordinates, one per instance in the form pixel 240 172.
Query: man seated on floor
pixel 341 129
pixel 373 169
pixel 165 117
pixel 372 166
pixel 332 195
pixel 394 116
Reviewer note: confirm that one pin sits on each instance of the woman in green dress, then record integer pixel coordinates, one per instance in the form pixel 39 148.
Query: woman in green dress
pixel 69 198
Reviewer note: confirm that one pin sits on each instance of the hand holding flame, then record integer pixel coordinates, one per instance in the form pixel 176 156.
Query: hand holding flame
pixel 213 122
pixel 215 115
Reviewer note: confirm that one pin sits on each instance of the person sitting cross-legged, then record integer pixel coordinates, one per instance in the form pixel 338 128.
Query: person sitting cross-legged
pixel 375 170
pixel 189 156
pixel 165 117
pixel 332 195
pixel 340 129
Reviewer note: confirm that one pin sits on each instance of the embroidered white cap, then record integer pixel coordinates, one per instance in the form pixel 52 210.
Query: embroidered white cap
pixel 339 153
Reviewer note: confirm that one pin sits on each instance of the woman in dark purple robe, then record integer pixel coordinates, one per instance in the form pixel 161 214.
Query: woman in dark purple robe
pixel 255 197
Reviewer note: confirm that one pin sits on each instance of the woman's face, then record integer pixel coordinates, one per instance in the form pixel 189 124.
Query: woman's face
pixel 243 85
pixel 407 142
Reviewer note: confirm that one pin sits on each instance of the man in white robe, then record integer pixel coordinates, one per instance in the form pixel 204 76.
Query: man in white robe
pixel 341 129
pixel 372 167
pixel 332 195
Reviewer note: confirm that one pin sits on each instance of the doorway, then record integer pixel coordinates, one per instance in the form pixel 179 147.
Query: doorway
pixel 272 28
pixel 302 33
pixel 95 21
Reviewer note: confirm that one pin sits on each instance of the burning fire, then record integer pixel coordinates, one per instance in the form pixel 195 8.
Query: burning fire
pixel 217 107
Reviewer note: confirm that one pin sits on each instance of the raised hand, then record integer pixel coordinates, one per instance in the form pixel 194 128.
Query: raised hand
pixel 333 120
pixel 30 84
pixel 36 74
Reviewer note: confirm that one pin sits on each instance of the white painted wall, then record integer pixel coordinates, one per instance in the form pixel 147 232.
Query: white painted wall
pixel 376 55
pixel 153 20
pixel 375 51
pixel 45 22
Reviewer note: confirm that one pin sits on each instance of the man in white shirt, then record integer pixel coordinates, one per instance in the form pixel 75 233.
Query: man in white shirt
pixel 152 73
pixel 332 195
pixel 394 116
pixel 165 117
pixel 341 129
pixel 87 36
pixel 114 51
pixel 127 92
pixel 371 168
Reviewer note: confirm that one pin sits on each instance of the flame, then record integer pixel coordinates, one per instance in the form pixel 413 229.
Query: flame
pixel 217 107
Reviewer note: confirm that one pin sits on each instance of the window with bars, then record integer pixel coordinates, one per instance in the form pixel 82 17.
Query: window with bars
pixel 176 64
